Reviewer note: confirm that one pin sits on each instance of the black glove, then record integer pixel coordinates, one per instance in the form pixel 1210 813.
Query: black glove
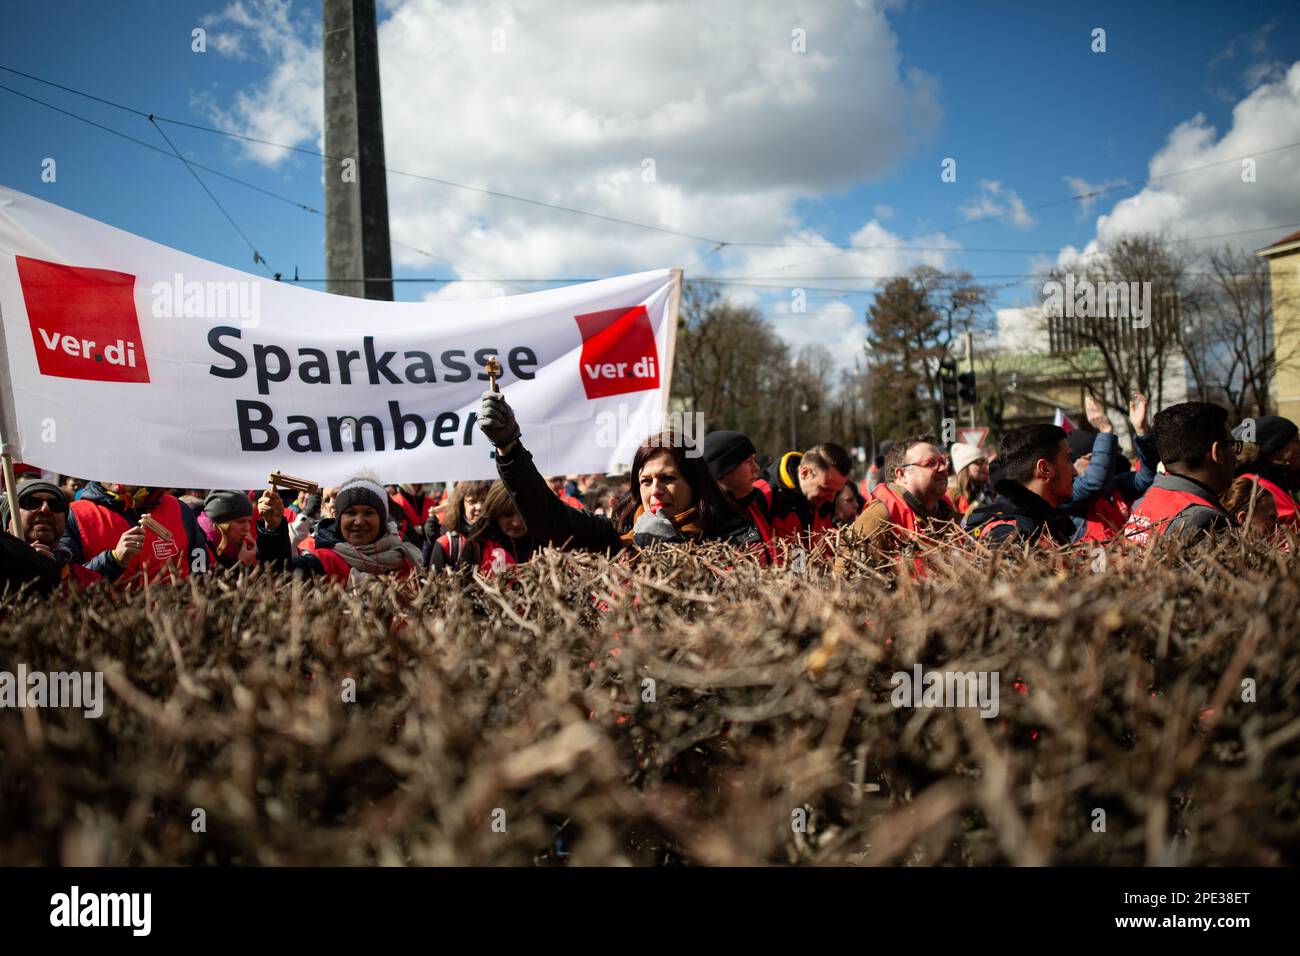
pixel 432 527
pixel 497 420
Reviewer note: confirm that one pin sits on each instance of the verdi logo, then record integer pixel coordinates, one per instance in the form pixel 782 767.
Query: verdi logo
pixel 618 352
pixel 83 322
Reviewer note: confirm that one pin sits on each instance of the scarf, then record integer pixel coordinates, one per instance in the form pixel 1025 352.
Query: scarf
pixel 388 553
pixel 687 524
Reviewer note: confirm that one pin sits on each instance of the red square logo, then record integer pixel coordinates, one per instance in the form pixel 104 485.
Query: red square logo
pixel 618 352
pixel 83 322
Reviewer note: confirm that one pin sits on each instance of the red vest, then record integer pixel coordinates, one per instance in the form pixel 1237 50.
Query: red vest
pixel 414 518
pixel 1158 507
pixel 338 569
pixel 496 557
pixel 761 522
pixel 900 512
pixel 101 527
pixel 901 515
pixel 1106 516
pixel 1286 505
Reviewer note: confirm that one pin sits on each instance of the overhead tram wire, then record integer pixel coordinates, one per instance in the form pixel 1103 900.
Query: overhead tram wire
pixel 297 204
pixel 257 256
pixel 905 246
pixel 726 280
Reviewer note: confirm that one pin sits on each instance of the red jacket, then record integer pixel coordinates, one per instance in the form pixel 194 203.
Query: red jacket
pixel 1106 517
pixel 101 528
pixel 1286 505
pixel 1154 512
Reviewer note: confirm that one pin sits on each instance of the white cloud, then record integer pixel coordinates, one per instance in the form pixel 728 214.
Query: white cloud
pixel 1214 200
pixel 739 126
pixel 286 108
pixel 996 200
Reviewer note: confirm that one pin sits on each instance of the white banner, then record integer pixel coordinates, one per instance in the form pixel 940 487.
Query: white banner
pixel 130 362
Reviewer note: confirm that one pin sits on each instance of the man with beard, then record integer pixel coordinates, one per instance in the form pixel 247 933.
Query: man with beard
pixel 43 517
pixel 909 503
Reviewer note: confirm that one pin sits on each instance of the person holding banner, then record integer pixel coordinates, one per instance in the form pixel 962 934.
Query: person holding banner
pixel 104 534
pixel 362 540
pixel 674 498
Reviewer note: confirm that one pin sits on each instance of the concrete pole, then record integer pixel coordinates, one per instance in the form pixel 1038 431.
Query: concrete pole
pixel 356 190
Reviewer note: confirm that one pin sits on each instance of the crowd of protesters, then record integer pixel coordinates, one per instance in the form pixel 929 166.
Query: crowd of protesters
pixel 1041 487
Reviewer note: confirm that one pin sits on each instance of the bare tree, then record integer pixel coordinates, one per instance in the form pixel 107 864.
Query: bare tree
pixel 1132 293
pixel 1231 349
pixel 731 366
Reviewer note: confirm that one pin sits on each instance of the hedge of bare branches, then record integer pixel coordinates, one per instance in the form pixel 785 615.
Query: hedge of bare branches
pixel 682 707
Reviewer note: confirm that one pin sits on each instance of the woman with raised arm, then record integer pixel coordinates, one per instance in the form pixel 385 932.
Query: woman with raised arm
pixel 673 499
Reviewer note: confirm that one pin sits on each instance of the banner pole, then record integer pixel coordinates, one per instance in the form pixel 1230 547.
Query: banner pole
pixel 12 494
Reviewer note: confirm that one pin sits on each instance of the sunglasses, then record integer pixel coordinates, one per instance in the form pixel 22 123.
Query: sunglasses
pixel 33 503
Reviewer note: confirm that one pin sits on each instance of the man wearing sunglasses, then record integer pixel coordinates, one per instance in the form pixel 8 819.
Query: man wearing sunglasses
pixel 43 517
pixel 1200 457
pixel 910 500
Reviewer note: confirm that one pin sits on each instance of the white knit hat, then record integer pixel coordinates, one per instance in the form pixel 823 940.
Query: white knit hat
pixel 963 454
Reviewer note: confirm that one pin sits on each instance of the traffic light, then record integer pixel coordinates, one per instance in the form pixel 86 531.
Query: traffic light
pixel 966 387
pixel 948 387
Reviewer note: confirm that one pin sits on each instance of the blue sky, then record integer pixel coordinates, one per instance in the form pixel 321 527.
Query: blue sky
pixel 879 99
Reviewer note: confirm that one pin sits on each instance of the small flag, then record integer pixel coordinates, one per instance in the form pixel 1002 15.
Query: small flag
pixel 1063 421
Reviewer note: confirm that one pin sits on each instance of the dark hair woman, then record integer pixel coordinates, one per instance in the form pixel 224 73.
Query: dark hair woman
pixel 466 504
pixel 499 538
pixel 672 496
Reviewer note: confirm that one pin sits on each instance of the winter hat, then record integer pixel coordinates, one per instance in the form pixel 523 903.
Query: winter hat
pixel 963 454
pixel 724 451
pixel 223 506
pixel 26 488
pixel 362 491
pixel 1272 432
pixel 1080 442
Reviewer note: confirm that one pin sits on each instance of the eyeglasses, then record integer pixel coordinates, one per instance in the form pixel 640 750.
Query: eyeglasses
pixel 934 464
pixel 33 503
pixel 1238 446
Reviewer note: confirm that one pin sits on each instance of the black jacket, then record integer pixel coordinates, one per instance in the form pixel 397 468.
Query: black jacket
pixel 20 564
pixel 1028 517
pixel 551 521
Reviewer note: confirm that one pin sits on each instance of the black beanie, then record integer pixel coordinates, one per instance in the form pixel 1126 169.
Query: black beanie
pixel 362 491
pixel 1272 432
pixel 724 450
pixel 1080 442
pixel 223 506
